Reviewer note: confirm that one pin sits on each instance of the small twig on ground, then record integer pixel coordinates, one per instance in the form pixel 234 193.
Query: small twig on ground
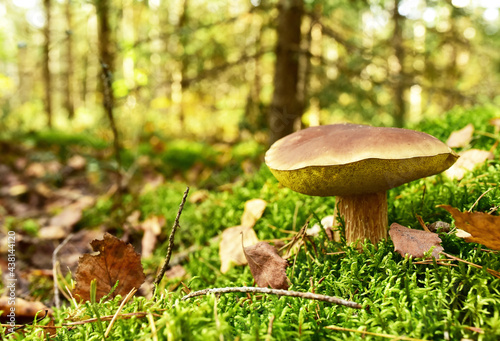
pixel 279 292
pixel 115 316
pixel 388 336
pixel 482 195
pixel 54 269
pixel 170 242
pixel 491 271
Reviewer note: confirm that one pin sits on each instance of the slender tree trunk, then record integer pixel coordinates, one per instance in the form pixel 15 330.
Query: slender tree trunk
pixel 106 56
pixel 254 119
pixel 285 108
pixel 399 86
pixel 69 103
pixel 47 78
pixel 21 73
pixel 184 61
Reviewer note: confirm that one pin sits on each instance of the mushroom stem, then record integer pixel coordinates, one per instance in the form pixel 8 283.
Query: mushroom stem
pixel 365 217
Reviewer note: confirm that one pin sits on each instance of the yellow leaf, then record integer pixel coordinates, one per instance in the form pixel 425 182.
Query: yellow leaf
pixel 484 228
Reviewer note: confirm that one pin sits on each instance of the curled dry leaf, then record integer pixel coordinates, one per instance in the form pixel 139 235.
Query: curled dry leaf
pixel 468 161
pixel 253 211
pixel 267 267
pixel 230 250
pixel 461 138
pixel 414 242
pixel 116 261
pixel 25 310
pixel 483 228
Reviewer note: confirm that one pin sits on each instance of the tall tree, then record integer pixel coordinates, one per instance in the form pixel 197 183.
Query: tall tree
pixel 399 86
pixel 285 108
pixel 106 56
pixel 68 89
pixel 47 77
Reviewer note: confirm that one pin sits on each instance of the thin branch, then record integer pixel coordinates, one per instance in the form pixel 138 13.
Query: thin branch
pixel 115 316
pixel 364 332
pixel 170 242
pixel 279 292
pixel 54 269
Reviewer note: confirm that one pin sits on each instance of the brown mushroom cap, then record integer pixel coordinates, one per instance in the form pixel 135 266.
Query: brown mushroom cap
pixel 349 159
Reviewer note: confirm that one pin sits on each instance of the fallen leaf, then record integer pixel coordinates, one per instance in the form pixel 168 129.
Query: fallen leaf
pixel 267 267
pixel 484 228
pixel 152 229
pixel 176 271
pixel 441 226
pixel 60 225
pixel 116 261
pixel 414 242
pixel 230 250
pixel 495 122
pixel 461 138
pixel 253 211
pixel 25 311
pixel 199 196
pixel 467 161
pixel 77 162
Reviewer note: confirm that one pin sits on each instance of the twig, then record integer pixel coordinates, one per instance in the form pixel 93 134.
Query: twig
pixel 115 316
pixel 54 269
pixel 482 195
pixel 387 336
pixel 279 292
pixel 140 314
pixel 170 242
pixel 490 271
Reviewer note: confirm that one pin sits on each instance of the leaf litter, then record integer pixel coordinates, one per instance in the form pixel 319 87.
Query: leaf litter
pixel 115 262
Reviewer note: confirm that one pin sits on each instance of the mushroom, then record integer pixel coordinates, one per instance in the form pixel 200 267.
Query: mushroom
pixel 357 164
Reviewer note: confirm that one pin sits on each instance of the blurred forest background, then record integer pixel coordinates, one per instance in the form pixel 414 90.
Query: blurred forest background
pixel 141 73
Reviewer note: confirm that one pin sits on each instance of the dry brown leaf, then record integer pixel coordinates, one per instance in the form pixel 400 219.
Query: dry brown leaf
pixel 24 310
pixel 484 228
pixel 414 242
pixel 116 261
pixel 267 267
pixel 253 211
pixel 230 250
pixel 60 225
pixel 461 138
pixel 468 161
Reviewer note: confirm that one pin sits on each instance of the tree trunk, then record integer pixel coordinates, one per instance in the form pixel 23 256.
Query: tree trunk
pixel 47 78
pixel 106 56
pixel 68 89
pixel 285 108
pixel 399 75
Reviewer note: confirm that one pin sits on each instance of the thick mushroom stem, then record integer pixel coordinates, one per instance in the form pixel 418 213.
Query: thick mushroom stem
pixel 365 217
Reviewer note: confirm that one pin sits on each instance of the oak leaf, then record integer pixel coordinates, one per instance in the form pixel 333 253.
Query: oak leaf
pixel 483 228
pixel 267 267
pixel 414 242
pixel 116 261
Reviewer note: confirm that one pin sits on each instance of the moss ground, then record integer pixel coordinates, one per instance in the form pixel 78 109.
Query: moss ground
pixel 400 298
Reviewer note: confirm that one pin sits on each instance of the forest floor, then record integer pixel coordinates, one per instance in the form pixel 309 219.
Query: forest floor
pixel 58 193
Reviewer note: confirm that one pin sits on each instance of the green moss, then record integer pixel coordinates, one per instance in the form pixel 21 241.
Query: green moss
pixel 400 297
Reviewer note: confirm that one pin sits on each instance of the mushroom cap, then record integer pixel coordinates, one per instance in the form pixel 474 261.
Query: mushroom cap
pixel 349 159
